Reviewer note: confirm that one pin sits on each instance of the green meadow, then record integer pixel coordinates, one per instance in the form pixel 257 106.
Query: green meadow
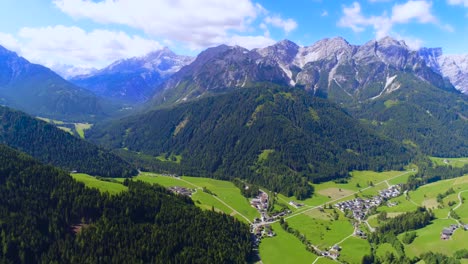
pixel 454 162
pixel 284 248
pixel 103 186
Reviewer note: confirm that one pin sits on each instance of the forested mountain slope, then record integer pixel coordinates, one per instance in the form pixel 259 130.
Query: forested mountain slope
pixel 383 83
pixel 51 145
pixel 39 91
pixel 47 217
pixel 279 138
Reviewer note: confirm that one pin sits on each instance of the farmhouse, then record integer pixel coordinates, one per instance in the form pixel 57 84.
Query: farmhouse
pixel 295 205
pixel 448 232
pixel 180 190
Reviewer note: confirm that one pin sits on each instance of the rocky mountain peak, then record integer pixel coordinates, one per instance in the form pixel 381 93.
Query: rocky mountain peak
pixel 283 51
pixel 327 49
pixel 389 41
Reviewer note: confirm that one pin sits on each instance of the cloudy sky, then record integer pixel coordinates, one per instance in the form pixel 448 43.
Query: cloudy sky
pixel 94 33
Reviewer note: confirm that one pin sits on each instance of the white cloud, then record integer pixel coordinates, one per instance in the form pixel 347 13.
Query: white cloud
pixel 9 42
pixel 458 2
pixel 287 25
pixel 198 23
pixel 411 11
pixel 324 13
pixel 56 45
pixel 250 42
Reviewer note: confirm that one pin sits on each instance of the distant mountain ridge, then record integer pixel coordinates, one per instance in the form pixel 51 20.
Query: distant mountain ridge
pixel 38 90
pixel 453 67
pixel 332 68
pixel 384 82
pixel 133 79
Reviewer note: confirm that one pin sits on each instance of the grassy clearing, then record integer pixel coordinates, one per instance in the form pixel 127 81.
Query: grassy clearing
pixel 454 162
pixel 227 192
pixel 224 190
pixel 284 248
pixel 264 155
pixel 66 129
pixel 170 158
pixel 354 249
pixel 322 232
pixel 103 186
pixel 335 193
pixel 81 127
pixel 428 239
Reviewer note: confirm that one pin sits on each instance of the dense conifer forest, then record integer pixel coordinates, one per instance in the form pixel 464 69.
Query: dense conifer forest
pixel 275 137
pixel 47 217
pixel 53 146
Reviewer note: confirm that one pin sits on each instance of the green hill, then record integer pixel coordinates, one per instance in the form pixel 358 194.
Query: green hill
pixel 279 138
pixel 420 115
pixel 47 217
pixel 51 145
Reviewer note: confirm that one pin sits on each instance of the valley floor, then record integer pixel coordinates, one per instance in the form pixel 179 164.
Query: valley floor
pixel 319 222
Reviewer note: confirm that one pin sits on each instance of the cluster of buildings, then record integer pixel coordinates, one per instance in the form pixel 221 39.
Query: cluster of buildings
pixel 181 190
pixel 170 175
pixel 295 204
pixel 262 231
pixel 448 231
pixel 360 207
pixel 260 202
pixel 333 252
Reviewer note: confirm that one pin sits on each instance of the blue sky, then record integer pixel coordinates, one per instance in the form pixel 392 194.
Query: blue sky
pixel 85 33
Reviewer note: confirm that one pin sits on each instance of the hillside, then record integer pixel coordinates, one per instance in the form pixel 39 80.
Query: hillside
pixel 51 145
pixel 39 91
pixel 384 83
pixel 47 217
pixel 276 137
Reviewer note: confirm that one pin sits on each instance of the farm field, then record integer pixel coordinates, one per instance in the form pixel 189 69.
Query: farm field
pixel 284 248
pixel 224 190
pixel 103 186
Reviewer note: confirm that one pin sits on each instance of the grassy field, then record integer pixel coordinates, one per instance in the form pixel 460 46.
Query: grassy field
pixel 428 239
pixel 103 186
pixel 81 127
pixel 320 229
pixel 284 248
pixel 354 249
pixel 72 128
pixel 224 190
pixel 454 162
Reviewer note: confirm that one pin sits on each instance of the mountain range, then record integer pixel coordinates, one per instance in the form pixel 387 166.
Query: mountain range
pixel 384 83
pixel 134 79
pixel 453 67
pixel 332 68
pixel 39 91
